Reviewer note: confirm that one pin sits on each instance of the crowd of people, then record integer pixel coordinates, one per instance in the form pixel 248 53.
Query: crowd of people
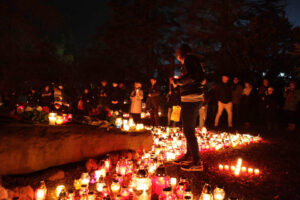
pixel 201 102
pixel 244 104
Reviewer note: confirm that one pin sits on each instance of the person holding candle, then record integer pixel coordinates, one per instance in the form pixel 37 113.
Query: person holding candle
pixel 136 98
pixel 191 91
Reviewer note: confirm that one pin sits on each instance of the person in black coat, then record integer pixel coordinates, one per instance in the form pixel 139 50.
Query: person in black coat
pixel 153 96
pixel 114 97
pixel 47 96
pixel 191 85
pixel 272 107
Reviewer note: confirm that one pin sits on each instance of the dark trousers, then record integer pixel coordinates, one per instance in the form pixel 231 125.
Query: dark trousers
pixel 136 117
pixel 189 112
pixel 236 114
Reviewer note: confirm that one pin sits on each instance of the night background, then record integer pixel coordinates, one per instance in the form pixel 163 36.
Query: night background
pixel 93 94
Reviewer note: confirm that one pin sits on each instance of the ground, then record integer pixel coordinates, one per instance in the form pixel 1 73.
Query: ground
pixel 277 157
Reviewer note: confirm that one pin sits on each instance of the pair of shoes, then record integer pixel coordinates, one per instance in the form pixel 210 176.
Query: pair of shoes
pixel 184 160
pixel 198 167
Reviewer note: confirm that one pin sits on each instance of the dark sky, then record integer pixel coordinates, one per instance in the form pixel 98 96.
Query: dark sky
pixel 85 16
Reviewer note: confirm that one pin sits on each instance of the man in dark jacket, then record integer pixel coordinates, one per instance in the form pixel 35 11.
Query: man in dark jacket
pixel 224 97
pixel 191 92
pixel 153 95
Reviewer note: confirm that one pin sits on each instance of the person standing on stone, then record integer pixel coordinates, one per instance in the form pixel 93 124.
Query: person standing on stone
pixel 224 97
pixel 237 90
pixel 153 96
pixel 136 97
pixel 191 92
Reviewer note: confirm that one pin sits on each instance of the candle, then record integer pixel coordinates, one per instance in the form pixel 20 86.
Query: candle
pixel 100 173
pixel 221 167
pixel 244 169
pixel 119 122
pixel 59 120
pixel 232 168
pixel 256 171
pixel 250 170
pixel 77 184
pixel 115 186
pixel 173 182
pixel 59 189
pixel 238 167
pixel 41 192
pixel 226 167
pixel 52 118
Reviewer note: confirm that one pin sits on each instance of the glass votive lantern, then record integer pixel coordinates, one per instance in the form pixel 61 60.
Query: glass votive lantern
pixel 115 186
pixel 219 193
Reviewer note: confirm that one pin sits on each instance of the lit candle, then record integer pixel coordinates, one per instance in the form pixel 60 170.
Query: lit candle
pixel 77 184
pixel 100 172
pixel 221 167
pixel 232 168
pixel 115 186
pixel 41 192
pixel 59 189
pixel 256 171
pixel 52 118
pixel 173 182
pixel 119 122
pixel 59 120
pixel 238 167
pixel 250 170
pixel 244 169
pixel 226 167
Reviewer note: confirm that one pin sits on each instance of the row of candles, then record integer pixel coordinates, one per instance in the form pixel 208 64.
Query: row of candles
pixel 146 176
pixel 55 119
pixel 128 124
pixel 238 168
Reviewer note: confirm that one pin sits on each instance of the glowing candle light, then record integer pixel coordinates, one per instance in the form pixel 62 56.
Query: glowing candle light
pixel 256 171
pixel 226 167
pixel 232 168
pixel 250 170
pixel 100 173
pixel 41 192
pixel 244 169
pixel 221 167
pixel 59 120
pixel 118 122
pixel 238 167
pixel 77 184
pixel 173 182
pixel 52 118
pixel 115 186
pixel 59 189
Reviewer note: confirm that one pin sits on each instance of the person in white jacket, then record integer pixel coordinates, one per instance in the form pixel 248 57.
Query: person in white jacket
pixel 136 98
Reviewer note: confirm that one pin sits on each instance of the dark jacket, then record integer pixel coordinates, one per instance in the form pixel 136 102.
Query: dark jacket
pixel 193 75
pixel 224 93
pixel 174 97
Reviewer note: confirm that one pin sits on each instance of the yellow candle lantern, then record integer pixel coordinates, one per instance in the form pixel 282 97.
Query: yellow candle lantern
pixel 256 171
pixel 77 184
pixel 41 192
pixel 115 186
pixel 59 120
pixel 59 189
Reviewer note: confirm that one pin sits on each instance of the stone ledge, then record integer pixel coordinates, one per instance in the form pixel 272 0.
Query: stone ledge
pixel 28 148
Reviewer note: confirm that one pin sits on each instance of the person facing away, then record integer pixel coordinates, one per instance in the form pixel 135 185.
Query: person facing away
pixel 248 104
pixel 114 97
pixel 237 90
pixel 136 97
pixel 153 95
pixel 224 97
pixel 191 92
pixel 47 96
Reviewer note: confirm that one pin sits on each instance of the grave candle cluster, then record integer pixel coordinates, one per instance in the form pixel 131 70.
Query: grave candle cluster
pixel 239 169
pixel 55 119
pixel 144 176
